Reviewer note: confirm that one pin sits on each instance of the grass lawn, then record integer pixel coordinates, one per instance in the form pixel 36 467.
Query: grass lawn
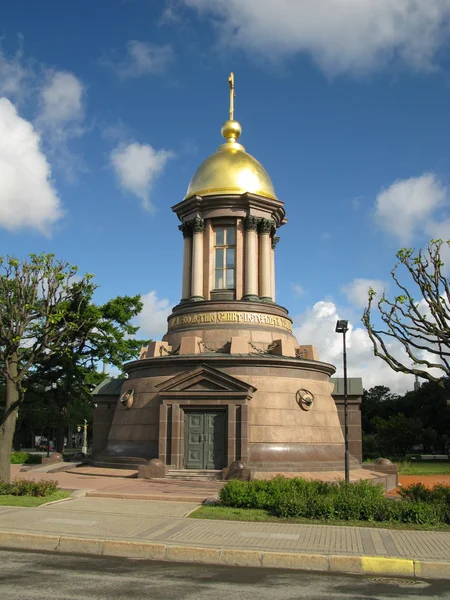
pixel 424 468
pixel 9 500
pixel 226 513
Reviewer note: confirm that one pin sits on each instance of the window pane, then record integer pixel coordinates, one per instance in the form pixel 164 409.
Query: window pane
pixel 230 237
pixel 230 257
pixel 219 258
pixel 230 278
pixel 219 283
pixel 220 236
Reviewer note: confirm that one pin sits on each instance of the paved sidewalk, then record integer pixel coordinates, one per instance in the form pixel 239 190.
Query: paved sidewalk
pixel 124 487
pixel 161 531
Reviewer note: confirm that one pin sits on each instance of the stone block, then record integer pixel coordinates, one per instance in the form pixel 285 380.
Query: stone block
pixel 241 558
pixel 345 564
pixel 157 349
pixel 432 569
pixel 289 560
pixel 308 352
pixel 142 550
pixel 239 345
pixel 193 555
pixel 76 545
pixel 379 565
pixel 284 347
pixel 28 541
pixel 154 469
pixel 190 345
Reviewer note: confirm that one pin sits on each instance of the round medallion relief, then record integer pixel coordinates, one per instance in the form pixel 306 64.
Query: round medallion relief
pixel 305 399
pixel 127 398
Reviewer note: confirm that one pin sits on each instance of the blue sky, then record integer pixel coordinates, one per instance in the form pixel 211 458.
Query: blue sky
pixel 109 107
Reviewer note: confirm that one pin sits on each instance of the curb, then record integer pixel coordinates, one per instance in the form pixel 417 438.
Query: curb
pixel 168 498
pixel 363 565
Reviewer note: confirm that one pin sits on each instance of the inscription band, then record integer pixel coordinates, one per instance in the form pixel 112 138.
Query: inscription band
pixel 195 319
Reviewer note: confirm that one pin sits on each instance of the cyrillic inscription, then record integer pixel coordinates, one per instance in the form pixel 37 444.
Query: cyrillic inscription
pixel 230 317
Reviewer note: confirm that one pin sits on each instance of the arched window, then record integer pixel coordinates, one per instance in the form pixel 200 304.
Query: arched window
pixel 225 257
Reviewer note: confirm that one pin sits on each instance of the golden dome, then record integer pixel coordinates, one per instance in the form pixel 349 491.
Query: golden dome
pixel 231 170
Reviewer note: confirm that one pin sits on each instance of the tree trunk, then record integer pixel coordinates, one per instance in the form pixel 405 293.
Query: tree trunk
pixel 8 424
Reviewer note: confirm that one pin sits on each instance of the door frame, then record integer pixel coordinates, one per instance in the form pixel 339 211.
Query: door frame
pixel 204 411
pixel 200 388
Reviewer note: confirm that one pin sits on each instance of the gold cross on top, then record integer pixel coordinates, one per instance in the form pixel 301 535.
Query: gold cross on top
pixel 232 95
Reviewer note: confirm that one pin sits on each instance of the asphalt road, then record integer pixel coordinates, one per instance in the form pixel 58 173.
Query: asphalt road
pixel 36 576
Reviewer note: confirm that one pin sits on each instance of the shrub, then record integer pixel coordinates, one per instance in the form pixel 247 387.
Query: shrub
pixel 25 487
pixel 25 458
pixel 18 458
pixel 360 501
pixel 417 492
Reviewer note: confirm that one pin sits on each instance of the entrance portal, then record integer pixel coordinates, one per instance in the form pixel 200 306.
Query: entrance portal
pixel 204 439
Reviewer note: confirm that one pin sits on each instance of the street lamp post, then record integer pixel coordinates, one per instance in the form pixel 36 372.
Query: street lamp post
pixel 342 327
pixel 53 386
pixel 84 448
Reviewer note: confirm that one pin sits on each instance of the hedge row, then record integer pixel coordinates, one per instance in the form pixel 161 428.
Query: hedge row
pixel 326 501
pixel 25 458
pixel 24 487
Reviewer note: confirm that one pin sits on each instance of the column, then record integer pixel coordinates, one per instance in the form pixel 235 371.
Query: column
pixel 250 262
pixel 198 226
pixel 275 240
pixel 265 227
pixel 186 230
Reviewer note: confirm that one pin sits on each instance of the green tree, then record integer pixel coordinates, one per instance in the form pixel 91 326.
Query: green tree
pixel 376 402
pixel 397 434
pixel 418 317
pixel 49 322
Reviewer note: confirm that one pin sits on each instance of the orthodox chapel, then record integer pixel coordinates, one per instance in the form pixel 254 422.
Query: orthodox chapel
pixel 228 391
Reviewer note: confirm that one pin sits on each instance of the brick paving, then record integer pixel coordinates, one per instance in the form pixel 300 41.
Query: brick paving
pixel 123 487
pixel 166 523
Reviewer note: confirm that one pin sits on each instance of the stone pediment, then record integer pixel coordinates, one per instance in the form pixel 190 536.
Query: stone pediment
pixel 205 381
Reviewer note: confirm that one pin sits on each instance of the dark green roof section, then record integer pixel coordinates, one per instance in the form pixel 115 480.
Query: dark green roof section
pixel 108 387
pixel 354 386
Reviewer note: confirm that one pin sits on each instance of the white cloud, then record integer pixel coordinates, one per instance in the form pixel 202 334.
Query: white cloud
pixel 409 206
pixel 342 36
pixel 142 58
pixel 27 196
pixel 14 75
pixel 357 290
pixel 137 166
pixel 152 320
pixel 61 117
pixel 62 99
pixel 317 327
pixel 298 289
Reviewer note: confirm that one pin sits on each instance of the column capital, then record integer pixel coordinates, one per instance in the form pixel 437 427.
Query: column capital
pixel 251 223
pixel 186 229
pixel 265 226
pixel 197 225
pixel 275 241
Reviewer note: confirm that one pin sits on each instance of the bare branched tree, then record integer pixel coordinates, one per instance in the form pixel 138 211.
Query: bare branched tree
pixel 421 323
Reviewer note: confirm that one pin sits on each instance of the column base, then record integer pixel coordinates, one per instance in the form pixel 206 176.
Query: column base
pixel 266 299
pixel 196 299
pixel 184 300
pixel 250 298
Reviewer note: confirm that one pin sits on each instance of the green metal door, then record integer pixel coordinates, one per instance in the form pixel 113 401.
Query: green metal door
pixel 204 440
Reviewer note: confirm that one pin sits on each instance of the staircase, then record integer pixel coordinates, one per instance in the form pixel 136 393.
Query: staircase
pixel 118 462
pixel 194 475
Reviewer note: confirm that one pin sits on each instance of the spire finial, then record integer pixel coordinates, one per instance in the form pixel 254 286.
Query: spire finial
pixel 232 95
pixel 231 129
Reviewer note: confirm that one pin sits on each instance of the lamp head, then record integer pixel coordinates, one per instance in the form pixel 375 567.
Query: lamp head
pixel 341 326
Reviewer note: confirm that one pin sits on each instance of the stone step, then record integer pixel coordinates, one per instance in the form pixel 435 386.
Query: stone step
pixel 194 474
pixel 118 463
